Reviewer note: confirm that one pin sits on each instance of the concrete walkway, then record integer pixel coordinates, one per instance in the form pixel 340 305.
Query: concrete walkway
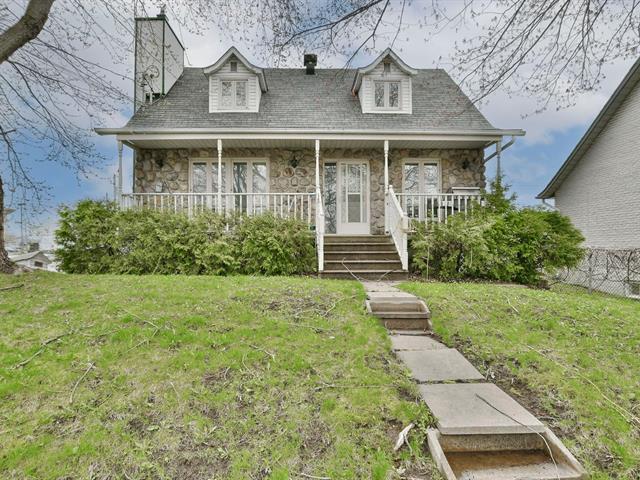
pixel 478 423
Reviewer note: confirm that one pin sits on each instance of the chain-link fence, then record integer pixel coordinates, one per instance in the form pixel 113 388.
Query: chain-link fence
pixel 616 272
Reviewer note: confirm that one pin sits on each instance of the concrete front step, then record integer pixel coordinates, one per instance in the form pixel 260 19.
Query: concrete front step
pixel 362 247
pixel 365 274
pixel 330 239
pixel 362 265
pixel 528 456
pixel 383 304
pixel 389 254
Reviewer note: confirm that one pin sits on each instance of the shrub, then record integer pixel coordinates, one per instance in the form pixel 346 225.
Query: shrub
pixel 498 242
pixel 274 246
pixel 96 237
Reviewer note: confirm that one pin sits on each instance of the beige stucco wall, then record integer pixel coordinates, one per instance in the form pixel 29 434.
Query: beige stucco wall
pixel 168 170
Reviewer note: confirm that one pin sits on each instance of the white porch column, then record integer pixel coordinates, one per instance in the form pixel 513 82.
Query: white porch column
pixel 119 199
pixel 219 176
pixel 386 186
pixel 318 165
pixel 386 166
pixel 498 155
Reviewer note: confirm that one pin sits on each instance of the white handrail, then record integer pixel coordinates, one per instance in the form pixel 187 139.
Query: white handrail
pixel 288 205
pixel 397 225
pixel 436 207
pixel 320 230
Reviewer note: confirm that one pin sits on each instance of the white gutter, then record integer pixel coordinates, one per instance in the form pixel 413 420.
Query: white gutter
pixel 293 131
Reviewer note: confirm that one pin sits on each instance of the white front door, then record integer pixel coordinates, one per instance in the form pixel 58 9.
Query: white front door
pixel 353 197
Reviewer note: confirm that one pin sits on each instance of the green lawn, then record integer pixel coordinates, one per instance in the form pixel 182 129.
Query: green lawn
pixel 199 377
pixel 571 357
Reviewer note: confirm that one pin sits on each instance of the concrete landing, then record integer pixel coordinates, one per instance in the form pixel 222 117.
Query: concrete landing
pixel 445 364
pixel 392 295
pixel 414 342
pixel 373 286
pixel 477 409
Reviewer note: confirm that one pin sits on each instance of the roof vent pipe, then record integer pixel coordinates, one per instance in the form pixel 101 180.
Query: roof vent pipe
pixel 310 62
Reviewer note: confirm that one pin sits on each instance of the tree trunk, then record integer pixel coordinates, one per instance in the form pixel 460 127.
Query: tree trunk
pixel 6 266
pixel 26 29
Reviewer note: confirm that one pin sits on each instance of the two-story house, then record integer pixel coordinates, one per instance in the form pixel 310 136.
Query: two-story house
pixel 356 153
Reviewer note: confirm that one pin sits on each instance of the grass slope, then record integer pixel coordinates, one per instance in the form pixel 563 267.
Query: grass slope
pixel 198 377
pixel 562 354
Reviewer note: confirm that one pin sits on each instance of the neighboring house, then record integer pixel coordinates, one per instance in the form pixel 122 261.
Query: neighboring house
pixel 598 187
pixel 350 151
pixel 33 260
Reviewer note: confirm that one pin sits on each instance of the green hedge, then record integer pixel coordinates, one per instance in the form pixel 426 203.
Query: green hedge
pixel 97 237
pixel 497 242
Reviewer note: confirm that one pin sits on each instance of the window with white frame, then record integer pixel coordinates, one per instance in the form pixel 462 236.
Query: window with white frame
pixel 246 179
pixel 420 178
pixel 386 95
pixel 233 94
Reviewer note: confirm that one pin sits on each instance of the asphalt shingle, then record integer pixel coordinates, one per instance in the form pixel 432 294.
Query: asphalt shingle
pixel 321 101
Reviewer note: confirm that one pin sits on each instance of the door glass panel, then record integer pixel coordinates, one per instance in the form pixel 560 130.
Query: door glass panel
pixel 199 177
pixel 431 178
pixel 259 185
pixel 354 201
pixel 411 185
pixel 330 200
pixel 240 185
pixel 214 177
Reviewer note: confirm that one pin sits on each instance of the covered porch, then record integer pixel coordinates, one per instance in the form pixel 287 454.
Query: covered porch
pixel 349 183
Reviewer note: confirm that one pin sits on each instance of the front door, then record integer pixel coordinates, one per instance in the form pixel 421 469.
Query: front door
pixel 353 197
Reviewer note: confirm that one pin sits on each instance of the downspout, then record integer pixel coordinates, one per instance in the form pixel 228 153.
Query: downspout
pixel 547 204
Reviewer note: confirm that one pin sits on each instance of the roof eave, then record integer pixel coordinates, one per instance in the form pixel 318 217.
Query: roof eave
pixel 244 131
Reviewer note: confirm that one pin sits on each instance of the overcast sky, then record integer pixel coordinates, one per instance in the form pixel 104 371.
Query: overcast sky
pixel 528 165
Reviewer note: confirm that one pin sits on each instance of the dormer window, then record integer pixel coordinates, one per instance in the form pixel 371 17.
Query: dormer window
pixel 233 94
pixel 387 67
pixel 235 85
pixel 387 95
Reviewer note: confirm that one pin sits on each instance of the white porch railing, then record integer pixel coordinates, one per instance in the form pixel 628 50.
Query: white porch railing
pixel 397 223
pixel 320 230
pixel 436 207
pixel 300 206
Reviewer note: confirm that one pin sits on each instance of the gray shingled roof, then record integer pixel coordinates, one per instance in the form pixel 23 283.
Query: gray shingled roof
pixel 323 101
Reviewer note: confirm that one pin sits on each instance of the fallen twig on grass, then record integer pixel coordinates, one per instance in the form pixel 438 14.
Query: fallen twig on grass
pixel 512 307
pixel 46 343
pixel 12 287
pixel 146 340
pixel 403 438
pixel 272 355
pixel 332 307
pixel 86 372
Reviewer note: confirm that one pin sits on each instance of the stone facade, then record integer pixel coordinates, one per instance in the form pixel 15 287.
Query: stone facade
pixel 294 170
